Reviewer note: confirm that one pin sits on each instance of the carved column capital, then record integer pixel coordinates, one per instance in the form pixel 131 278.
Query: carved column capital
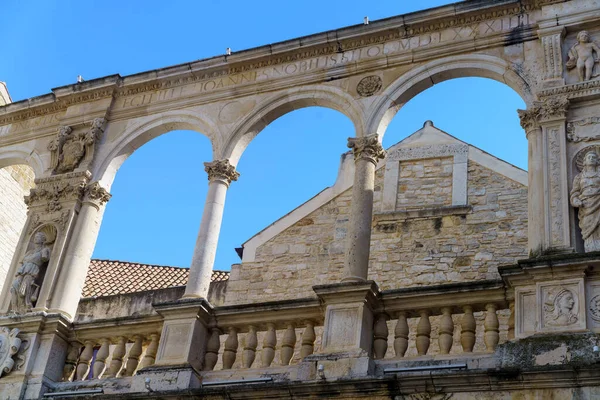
pixel 96 194
pixel 367 148
pixel 529 118
pixel 553 108
pixel 221 170
pixel 53 191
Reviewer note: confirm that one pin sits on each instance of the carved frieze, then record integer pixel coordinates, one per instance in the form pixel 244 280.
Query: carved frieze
pixel 51 192
pixel 367 148
pixel 553 108
pixel 581 57
pixel 369 85
pixel 9 346
pixel 574 128
pixel 221 170
pixel 71 147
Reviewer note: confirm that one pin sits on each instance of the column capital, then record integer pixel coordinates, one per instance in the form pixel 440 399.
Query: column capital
pixel 553 108
pixel 221 170
pixel 529 119
pixel 367 148
pixel 96 194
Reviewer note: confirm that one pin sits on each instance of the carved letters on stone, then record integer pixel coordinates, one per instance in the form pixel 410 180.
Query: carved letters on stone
pixel 369 85
pixel 585 195
pixel 581 56
pixel 367 148
pixel 221 170
pixel 70 148
pixel 9 346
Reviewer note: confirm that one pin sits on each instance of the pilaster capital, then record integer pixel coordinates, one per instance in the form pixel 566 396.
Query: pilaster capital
pixel 221 170
pixel 367 148
pixel 53 191
pixel 94 193
pixel 553 108
pixel 529 118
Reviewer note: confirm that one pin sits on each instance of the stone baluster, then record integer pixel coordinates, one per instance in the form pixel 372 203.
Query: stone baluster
pixel 117 357
pixel 151 350
pixel 251 342
pixel 446 331
pixel 71 361
pixel 423 333
pixel 380 334
pixel 230 349
pixel 287 345
pixel 491 327
pixel 468 327
pixel 133 358
pixel 212 350
pixel 401 335
pixel 308 340
pixel 101 356
pixel 83 366
pixel 269 343
pixel 511 321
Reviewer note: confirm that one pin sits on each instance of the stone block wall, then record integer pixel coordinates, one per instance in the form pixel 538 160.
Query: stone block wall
pixel 425 183
pixel 455 246
pixel 15 182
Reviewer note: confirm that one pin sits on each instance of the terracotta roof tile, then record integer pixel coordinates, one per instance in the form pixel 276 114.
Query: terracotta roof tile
pixel 109 277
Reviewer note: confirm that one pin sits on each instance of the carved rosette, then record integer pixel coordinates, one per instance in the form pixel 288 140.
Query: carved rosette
pixel 96 194
pixel 71 148
pixel 369 85
pixel 367 148
pixel 221 170
pixel 9 346
pixel 53 191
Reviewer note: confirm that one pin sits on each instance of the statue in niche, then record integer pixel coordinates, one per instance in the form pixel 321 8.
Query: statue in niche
pixel 558 308
pixel 581 56
pixel 24 289
pixel 585 196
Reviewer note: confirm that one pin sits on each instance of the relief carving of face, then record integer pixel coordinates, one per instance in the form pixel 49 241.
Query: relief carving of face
pixel 583 36
pixel 591 159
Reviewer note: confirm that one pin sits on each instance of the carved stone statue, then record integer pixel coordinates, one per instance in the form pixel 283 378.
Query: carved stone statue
pixel 24 291
pixel 581 56
pixel 558 308
pixel 585 195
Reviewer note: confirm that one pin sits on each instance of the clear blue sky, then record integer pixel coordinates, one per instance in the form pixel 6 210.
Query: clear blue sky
pixel 156 207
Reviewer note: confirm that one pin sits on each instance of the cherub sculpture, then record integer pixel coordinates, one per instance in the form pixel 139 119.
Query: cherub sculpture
pixel 581 56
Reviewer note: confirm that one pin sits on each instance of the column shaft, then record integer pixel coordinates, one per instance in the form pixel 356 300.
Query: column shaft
pixel 535 167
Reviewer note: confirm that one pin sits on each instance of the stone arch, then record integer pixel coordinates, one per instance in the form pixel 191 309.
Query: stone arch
pixel 275 107
pixel 141 133
pixel 425 76
pixel 20 157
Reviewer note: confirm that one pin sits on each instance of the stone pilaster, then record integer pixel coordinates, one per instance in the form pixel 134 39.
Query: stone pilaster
pixel 367 152
pixel 220 175
pixel 552 39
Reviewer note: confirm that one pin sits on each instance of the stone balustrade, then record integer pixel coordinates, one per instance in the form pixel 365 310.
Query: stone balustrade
pixel 439 320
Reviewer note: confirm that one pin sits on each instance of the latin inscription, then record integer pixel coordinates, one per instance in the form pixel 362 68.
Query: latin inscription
pixel 468 32
pixel 29 124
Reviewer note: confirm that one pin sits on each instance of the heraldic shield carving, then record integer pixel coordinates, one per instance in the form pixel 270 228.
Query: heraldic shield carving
pixel 9 346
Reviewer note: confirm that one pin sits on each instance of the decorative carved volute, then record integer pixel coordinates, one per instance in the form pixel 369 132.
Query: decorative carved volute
pixel 73 146
pixel 9 346
pixel 221 170
pixel 529 118
pixel 367 148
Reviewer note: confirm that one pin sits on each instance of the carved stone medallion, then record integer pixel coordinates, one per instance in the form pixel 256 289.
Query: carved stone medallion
pixel 369 85
pixel 595 308
pixel 9 346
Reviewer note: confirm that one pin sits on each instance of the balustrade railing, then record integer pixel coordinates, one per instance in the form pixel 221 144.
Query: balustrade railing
pixel 447 319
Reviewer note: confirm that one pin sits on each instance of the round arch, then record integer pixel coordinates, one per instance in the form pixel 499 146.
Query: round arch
pixel 275 107
pixel 141 133
pixel 425 76
pixel 10 157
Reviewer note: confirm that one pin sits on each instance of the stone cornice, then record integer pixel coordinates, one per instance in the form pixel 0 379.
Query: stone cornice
pixel 327 43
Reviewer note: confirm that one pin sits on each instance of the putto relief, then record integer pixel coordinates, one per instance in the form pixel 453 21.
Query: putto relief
pixel 585 196
pixel 25 286
pixel 581 57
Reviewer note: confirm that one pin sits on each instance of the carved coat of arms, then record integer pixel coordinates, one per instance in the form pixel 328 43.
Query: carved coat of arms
pixel 70 148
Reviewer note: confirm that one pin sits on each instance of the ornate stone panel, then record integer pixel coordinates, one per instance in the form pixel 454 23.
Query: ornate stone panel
pixel 561 305
pixel 584 130
pixel 73 146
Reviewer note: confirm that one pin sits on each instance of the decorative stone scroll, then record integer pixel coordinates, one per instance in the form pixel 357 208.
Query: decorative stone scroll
pixel 367 148
pixel 51 192
pixel 585 195
pixel 221 170
pixel 71 147
pixel 369 85
pixel 9 346
pixel 26 284
pixel 581 57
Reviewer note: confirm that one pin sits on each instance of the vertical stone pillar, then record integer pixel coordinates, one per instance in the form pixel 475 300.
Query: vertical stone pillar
pixel 367 152
pixel 220 176
pixel 67 292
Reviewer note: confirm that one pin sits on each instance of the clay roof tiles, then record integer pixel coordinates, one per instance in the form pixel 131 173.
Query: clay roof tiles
pixel 109 277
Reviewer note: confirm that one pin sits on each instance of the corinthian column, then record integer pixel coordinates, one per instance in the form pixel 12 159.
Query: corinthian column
pixel 367 152
pixel 220 175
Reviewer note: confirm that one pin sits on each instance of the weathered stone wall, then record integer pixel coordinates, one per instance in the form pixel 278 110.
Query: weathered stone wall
pixel 425 183
pixel 457 246
pixel 15 182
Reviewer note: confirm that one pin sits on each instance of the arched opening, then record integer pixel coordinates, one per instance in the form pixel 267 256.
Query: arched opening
pixel 16 181
pixel 157 196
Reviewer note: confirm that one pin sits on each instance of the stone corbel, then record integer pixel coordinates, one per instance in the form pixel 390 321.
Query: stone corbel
pixel 367 148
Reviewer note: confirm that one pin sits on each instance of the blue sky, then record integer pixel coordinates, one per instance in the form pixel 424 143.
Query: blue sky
pixel 157 206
